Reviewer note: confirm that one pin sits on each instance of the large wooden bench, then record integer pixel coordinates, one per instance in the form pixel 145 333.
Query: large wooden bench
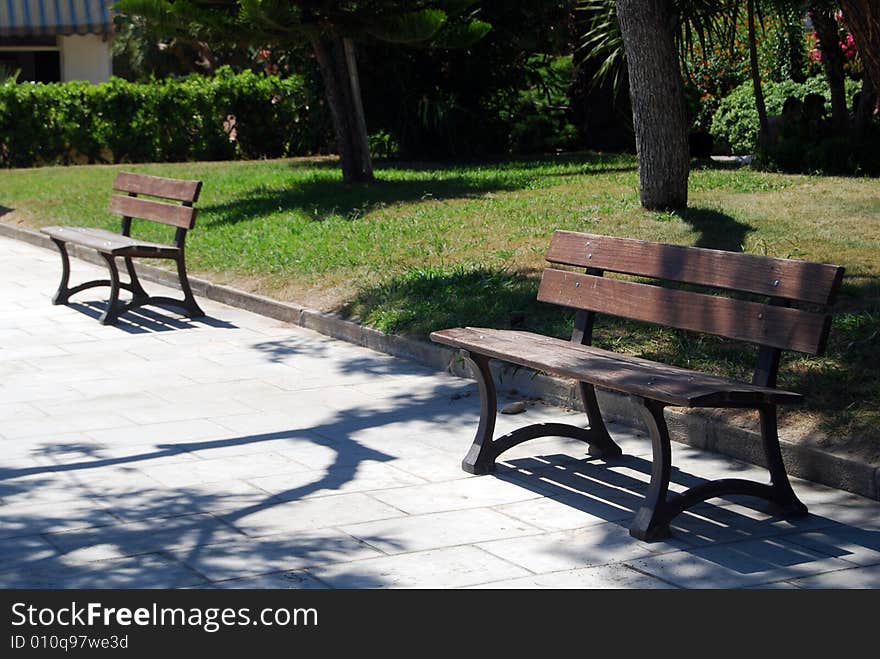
pixel 791 315
pixel 172 204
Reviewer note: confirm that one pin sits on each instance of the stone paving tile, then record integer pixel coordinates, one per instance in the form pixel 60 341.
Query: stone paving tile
pixel 275 553
pixel 161 436
pixel 163 411
pixel 76 422
pixel 568 550
pixel 109 478
pixel 246 390
pixel 485 491
pixel 274 581
pixel 24 550
pixel 437 530
pixel 567 512
pixel 143 537
pixel 454 567
pixel 738 565
pixel 775 585
pixel 31 390
pixel 862 578
pixel 160 502
pixel 433 465
pixel 708 524
pixel 338 480
pixel 217 469
pixel 859 546
pixel 19 410
pixel 21 519
pixel 602 576
pixel 320 453
pixel 146 571
pixel 309 514
pixel 861 513
pixel 39 486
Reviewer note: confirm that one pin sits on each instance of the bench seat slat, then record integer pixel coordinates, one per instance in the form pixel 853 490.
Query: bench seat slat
pixel 111 243
pixel 672 385
pixel 760 324
pixel 782 278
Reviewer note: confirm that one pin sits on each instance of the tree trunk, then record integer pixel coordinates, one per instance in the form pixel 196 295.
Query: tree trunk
pixel 339 71
pixel 656 88
pixel 760 106
pixel 865 110
pixel 832 61
pixel 863 19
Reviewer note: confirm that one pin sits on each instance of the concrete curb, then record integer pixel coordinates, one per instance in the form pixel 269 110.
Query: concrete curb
pixel 701 429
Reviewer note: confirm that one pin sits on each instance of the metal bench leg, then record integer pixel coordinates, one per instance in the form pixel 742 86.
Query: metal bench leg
pixel 600 443
pixel 63 293
pixel 111 313
pixel 652 520
pixel 189 300
pixel 134 286
pixel 783 494
pixel 481 456
pixel 485 450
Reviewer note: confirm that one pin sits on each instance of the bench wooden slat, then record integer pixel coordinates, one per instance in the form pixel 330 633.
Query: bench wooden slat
pixel 761 324
pixel 109 242
pixel 640 377
pixel 158 186
pixel 816 283
pixel 156 211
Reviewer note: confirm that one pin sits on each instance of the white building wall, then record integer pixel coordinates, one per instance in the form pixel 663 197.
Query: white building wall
pixel 85 57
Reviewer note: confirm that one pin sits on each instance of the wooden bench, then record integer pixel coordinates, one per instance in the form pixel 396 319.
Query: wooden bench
pixel 173 206
pixel 792 315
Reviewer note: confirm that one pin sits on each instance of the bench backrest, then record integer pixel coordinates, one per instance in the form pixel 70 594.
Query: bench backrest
pixel 775 324
pixel 177 212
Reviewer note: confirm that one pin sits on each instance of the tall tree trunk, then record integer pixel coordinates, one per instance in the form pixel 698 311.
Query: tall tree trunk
pixel 656 88
pixel 863 19
pixel 338 67
pixel 832 61
pixel 865 110
pixel 760 105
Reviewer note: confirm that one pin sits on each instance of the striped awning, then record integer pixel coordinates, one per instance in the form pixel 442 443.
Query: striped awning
pixel 28 18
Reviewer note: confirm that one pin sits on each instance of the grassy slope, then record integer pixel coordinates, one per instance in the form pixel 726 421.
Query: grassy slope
pixel 431 247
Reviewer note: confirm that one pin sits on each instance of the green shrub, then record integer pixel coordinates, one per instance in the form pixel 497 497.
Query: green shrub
pixel 244 115
pixel 735 124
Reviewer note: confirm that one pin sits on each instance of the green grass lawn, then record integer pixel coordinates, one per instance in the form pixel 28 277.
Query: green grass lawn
pixel 428 247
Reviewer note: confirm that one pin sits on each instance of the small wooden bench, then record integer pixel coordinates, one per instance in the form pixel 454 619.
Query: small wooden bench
pixel 792 315
pixel 173 206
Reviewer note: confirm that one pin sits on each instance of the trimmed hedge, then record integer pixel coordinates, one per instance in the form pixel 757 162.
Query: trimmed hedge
pixel 228 116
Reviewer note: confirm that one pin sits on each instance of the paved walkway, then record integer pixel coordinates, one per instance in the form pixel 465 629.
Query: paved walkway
pixel 237 451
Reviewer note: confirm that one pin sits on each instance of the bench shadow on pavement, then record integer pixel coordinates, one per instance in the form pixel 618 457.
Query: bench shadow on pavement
pixel 613 490
pixel 144 320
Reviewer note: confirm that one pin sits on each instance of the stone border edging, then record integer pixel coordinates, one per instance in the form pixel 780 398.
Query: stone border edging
pixel 696 428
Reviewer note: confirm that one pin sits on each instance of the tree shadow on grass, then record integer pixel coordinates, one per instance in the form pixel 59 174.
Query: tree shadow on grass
pixel 428 299
pixel 717 230
pixel 324 195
